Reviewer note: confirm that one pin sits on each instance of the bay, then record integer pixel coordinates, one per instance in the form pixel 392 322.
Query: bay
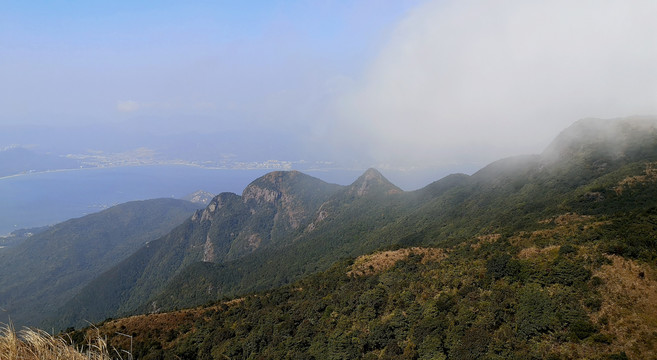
pixel 39 199
pixel 47 198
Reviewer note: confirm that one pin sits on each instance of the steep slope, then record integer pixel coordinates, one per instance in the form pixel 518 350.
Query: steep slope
pixel 270 210
pixel 558 291
pixel 515 192
pixel 341 227
pixel 48 268
pixel 532 257
pixel 503 198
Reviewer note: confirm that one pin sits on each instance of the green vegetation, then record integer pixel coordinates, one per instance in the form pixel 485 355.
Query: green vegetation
pixel 493 297
pixel 271 209
pixel 507 196
pixel 48 268
pixel 549 256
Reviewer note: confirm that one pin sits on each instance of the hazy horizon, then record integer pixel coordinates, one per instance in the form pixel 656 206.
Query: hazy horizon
pixel 413 85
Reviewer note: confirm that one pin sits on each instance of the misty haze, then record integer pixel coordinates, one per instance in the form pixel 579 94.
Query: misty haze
pixel 423 179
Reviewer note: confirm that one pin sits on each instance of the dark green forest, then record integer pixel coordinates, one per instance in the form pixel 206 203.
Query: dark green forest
pixel 532 257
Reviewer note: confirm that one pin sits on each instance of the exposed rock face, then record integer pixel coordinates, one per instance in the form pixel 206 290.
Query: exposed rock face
pixel 260 195
pixel 322 214
pixel 270 187
pixel 208 250
pixel 217 203
pixel 270 208
pixel 254 241
pixel 289 194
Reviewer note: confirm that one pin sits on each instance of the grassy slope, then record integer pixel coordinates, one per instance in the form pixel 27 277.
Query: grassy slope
pixel 554 292
pixel 543 260
pixel 48 268
pixel 346 230
pixel 504 197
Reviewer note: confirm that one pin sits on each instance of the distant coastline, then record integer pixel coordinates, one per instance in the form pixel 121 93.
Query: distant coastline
pixel 47 197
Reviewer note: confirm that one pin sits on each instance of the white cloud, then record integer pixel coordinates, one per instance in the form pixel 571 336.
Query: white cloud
pixel 127 106
pixel 476 80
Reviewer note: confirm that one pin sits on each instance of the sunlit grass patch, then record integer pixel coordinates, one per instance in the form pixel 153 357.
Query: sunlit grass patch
pixel 383 260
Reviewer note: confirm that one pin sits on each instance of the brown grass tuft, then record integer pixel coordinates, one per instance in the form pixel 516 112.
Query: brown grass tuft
pixel 567 218
pixel 32 344
pixel 549 252
pixel 561 227
pixel 485 239
pixel 383 260
pixel 628 311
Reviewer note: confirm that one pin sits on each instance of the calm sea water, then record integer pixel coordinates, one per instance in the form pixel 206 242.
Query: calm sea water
pixel 48 198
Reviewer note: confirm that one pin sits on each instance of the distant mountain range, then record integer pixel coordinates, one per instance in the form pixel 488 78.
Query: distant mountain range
pixel 530 257
pixel 287 224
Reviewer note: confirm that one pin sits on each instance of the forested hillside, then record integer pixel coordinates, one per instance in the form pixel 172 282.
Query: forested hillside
pixel 270 210
pixel 546 256
pixel 48 268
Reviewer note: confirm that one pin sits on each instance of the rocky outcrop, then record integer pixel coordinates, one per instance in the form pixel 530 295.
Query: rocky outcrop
pixel 208 250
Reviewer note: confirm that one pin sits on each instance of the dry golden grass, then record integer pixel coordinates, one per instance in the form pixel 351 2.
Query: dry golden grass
pixel 485 239
pixel 548 253
pixel 629 307
pixel 30 344
pixel 144 326
pixel 383 260
pixel 649 175
pixel 628 316
pixel 567 218
pixel 563 226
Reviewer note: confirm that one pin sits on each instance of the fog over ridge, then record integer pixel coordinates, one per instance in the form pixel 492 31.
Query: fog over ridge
pixel 502 78
pixel 445 85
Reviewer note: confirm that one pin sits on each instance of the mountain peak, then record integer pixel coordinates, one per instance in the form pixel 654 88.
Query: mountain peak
pixel 273 185
pixel 372 181
pixel 613 136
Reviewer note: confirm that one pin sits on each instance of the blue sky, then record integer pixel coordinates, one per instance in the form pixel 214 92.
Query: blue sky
pixel 71 61
pixel 402 84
